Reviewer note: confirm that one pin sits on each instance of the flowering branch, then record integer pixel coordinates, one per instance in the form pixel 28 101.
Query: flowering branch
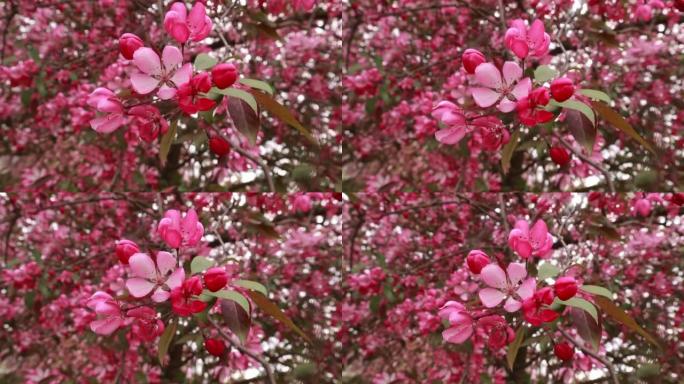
pixel 608 364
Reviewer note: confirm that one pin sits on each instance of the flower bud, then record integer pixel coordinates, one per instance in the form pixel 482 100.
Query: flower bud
pixel 224 75
pixel 219 146
pixel 559 156
pixel 201 82
pixel 125 249
pixel 215 347
pixel 128 44
pixel 565 287
pixel 643 207
pixel 215 279
pixel 564 351
pixel 562 89
pixel 471 59
pixel 477 260
pixel 540 96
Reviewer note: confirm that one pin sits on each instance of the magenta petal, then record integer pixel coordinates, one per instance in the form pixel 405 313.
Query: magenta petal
pixel 539 232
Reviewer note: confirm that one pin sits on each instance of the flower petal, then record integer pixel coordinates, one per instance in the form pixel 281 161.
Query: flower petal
pixel 450 135
pixel 457 334
pixel 491 297
pixel 166 93
pixel 494 276
pixel 506 105
pixel 516 272
pixel 139 287
pixel 538 233
pixel 160 295
pixel 166 262
pixel 484 97
pixel 107 124
pixel 522 89
pixel 142 83
pixel 172 57
pixel 488 75
pixel 527 288
pixel 176 278
pixel 512 305
pixel 106 326
pixel 511 72
pixel 182 75
pixel 142 266
pixel 147 60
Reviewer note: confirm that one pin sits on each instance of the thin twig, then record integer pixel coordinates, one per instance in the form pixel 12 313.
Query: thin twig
pixel 264 363
pixel 608 364
pixel 586 159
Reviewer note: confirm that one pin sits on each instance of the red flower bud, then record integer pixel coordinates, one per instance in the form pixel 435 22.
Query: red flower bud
pixel 128 44
pixel 564 351
pixel 201 82
pixel 562 89
pixel 471 59
pixel 559 156
pixel 540 96
pixel 224 75
pixel 215 347
pixel 125 249
pixel 215 279
pixel 477 260
pixel 565 287
pixel 219 146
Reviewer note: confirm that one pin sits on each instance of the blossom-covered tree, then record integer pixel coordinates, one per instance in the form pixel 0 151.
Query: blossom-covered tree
pixel 167 288
pixel 482 288
pixel 498 95
pixel 144 95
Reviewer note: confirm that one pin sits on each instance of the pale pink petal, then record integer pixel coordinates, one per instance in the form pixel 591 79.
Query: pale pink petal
pixel 110 105
pixel 484 97
pixel 110 308
pixel 506 105
pixel 527 288
pixel 147 60
pixel 171 58
pixel 108 123
pixel 139 287
pixel 176 278
pixel 450 135
pixel 100 297
pixel 488 75
pixel 460 318
pixel 106 326
pixel 166 262
pixel 523 226
pixel 143 84
pixel 494 276
pixel 522 89
pixel 450 307
pixel 182 75
pixel 166 93
pixel 142 265
pixel 491 297
pixel 458 335
pixel 516 272
pixel 160 295
pixel 511 72
pixel 512 305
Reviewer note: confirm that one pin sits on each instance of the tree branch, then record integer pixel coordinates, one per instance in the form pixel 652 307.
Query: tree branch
pixel 608 364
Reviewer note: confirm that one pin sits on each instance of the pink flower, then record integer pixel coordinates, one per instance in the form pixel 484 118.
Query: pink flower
pixel 523 41
pixel 498 331
pixel 471 59
pixel 507 285
pixel 495 89
pixel 189 99
pixel 460 322
pixel 149 277
pixel 177 231
pixel 109 311
pixel 642 207
pixel 302 203
pixel 182 302
pixel 151 123
pixel 457 126
pixel 535 308
pixel 525 242
pixel 147 326
pixel 106 101
pixel 128 44
pixel 168 74
pixel 125 249
pixel 476 260
pixel 528 109
pixel 183 27
pixel 303 5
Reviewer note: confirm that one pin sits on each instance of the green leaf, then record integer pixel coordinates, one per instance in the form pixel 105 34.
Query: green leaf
pixel 238 94
pixel 612 310
pixel 508 149
pixel 253 285
pixel 236 318
pixel 596 290
pixel 596 95
pixel 166 141
pixel 273 310
pixel 200 264
pixel 577 106
pixel 258 84
pixel 282 113
pixel 544 73
pixel 619 122
pixel 581 304
pixel 203 62
pixel 513 348
pixel 165 340
pixel 547 270
pixel 230 295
